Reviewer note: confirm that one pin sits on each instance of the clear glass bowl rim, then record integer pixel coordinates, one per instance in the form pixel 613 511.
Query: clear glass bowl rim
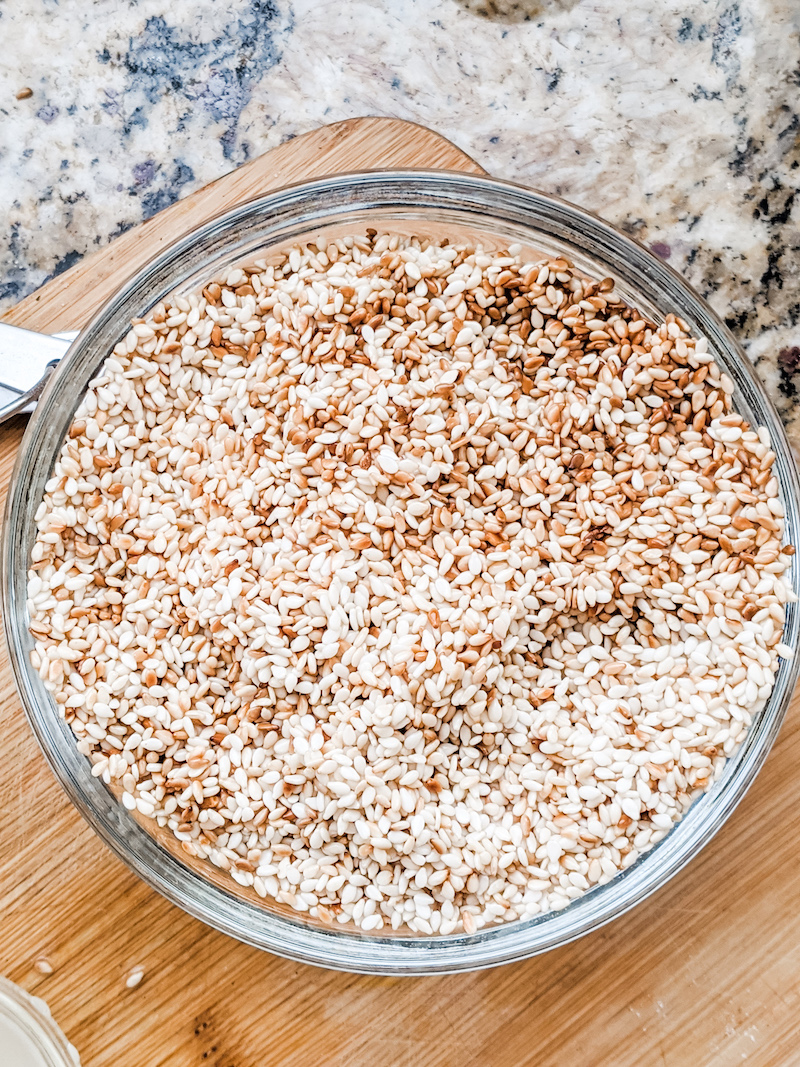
pixel 31 1015
pixel 375 198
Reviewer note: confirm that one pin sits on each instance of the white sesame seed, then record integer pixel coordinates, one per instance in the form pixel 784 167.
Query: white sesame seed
pixel 134 977
pixel 414 586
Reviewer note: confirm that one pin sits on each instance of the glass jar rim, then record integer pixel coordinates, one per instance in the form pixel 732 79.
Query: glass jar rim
pixel 32 1017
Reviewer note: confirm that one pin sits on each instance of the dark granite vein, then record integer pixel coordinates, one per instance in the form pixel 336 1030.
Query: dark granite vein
pixel 219 74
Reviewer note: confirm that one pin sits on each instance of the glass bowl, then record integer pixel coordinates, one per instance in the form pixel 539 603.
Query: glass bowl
pixel 433 204
pixel 28 1032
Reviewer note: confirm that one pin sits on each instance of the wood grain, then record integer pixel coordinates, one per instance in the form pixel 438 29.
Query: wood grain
pixel 707 972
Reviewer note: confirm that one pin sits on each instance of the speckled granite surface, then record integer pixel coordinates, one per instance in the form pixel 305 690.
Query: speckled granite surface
pixel 679 122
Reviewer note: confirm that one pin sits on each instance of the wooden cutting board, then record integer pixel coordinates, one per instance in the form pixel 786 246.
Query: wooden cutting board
pixel 707 972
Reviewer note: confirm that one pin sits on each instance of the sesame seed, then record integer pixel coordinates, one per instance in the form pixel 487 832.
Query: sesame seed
pixel 415 586
pixel 134 977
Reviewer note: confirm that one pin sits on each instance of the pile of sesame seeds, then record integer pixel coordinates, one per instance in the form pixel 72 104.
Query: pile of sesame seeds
pixel 415 585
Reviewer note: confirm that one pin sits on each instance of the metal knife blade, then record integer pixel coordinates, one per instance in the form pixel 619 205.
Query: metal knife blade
pixel 26 358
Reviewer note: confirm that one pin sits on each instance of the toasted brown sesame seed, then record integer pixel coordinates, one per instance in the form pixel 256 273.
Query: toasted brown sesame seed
pixel 398 579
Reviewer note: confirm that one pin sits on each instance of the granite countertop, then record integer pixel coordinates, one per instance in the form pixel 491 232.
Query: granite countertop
pixel 679 122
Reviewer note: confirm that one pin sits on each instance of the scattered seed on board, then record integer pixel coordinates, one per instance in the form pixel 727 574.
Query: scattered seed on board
pixel 134 977
pixel 43 965
pixel 415 585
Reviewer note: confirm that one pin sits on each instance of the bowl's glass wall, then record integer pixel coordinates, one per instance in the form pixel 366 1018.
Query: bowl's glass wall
pixel 461 208
pixel 27 1018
